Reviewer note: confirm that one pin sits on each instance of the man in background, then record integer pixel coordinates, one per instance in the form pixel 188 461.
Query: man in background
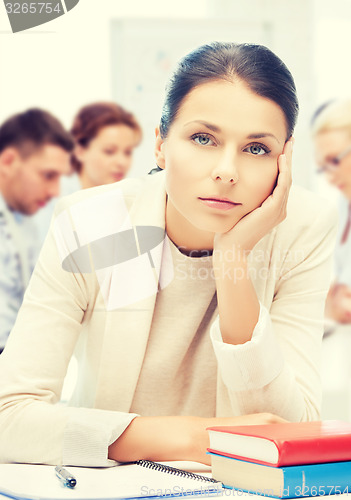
pixel 34 154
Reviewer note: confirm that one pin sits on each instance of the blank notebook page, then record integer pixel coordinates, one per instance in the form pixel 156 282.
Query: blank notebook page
pixel 26 481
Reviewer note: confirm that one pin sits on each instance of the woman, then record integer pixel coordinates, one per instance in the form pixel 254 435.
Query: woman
pixel 192 297
pixel 331 132
pixel 105 135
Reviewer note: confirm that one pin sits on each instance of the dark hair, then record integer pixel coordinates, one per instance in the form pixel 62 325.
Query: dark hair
pixel 262 71
pixel 91 118
pixel 32 130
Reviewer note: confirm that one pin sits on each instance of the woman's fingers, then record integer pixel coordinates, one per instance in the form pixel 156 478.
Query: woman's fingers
pixel 281 192
pixel 271 212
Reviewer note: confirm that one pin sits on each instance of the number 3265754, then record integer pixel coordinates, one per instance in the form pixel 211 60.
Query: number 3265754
pixel 33 8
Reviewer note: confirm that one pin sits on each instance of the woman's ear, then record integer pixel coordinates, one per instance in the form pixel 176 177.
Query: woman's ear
pixel 159 145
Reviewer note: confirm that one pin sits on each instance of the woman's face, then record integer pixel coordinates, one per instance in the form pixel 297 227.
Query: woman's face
pixel 328 145
pixel 220 158
pixel 108 156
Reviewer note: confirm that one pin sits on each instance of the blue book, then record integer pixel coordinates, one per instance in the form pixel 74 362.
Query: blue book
pixel 293 481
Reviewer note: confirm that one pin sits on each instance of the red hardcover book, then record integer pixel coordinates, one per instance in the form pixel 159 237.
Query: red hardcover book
pixel 284 444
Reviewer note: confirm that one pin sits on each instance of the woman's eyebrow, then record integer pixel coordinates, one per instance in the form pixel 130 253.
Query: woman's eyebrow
pixel 262 135
pixel 212 127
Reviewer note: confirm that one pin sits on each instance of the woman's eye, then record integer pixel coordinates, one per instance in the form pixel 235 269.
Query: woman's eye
pixel 203 140
pixel 257 149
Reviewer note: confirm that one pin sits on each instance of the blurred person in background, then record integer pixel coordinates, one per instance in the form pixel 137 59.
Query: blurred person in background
pixel 105 136
pixel 331 131
pixel 34 153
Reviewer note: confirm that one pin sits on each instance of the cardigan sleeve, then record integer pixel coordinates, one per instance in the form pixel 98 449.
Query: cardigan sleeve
pixel 34 426
pixel 277 371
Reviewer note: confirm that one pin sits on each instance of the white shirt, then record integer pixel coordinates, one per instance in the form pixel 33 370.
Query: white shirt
pixel 69 184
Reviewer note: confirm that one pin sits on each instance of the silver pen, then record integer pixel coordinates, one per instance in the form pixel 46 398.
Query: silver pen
pixel 66 478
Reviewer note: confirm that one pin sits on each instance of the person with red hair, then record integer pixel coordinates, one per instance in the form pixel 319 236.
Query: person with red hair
pixel 105 135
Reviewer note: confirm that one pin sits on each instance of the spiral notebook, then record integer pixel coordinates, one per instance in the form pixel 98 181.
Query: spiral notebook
pixel 142 479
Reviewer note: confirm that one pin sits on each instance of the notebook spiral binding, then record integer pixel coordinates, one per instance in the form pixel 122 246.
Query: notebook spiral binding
pixel 173 470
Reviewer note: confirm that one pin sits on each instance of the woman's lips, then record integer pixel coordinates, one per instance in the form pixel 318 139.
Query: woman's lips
pixel 219 203
pixel 118 176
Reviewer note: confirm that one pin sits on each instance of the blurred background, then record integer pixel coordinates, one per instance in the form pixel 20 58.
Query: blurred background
pixel 112 49
pixel 126 50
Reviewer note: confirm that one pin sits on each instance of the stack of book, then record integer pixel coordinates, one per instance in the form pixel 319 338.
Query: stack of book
pixel 289 460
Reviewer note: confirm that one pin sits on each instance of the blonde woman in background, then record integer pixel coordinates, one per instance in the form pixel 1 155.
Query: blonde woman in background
pixel 331 131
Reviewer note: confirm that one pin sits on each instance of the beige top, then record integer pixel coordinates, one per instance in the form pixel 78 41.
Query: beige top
pixel 179 372
pixel 95 291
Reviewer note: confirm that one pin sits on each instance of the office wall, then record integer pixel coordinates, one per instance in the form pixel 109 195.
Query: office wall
pixel 66 63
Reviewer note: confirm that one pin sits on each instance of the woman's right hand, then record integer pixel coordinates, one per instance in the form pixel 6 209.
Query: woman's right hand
pixel 202 441
pixel 175 438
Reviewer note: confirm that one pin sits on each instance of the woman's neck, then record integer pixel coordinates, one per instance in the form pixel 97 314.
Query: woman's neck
pixel 85 181
pixel 189 239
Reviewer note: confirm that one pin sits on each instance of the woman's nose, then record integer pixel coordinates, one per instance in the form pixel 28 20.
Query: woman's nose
pixel 122 160
pixel 226 170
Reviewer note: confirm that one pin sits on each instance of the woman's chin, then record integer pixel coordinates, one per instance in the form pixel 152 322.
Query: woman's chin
pixel 220 227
